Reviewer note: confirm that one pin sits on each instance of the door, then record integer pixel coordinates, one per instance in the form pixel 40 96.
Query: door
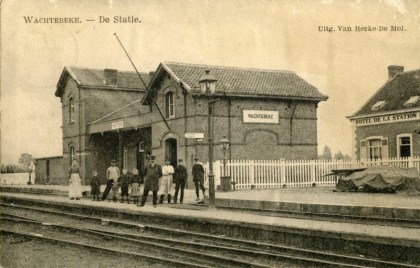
pixel 170 151
pixel 140 158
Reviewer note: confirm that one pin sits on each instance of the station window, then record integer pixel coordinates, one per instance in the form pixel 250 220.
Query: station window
pixel 169 99
pixel 404 144
pixel 378 105
pixel 375 149
pixel 71 110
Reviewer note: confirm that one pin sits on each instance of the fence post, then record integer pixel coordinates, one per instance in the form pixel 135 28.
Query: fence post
pixel 410 162
pixel 217 171
pixel 283 172
pixel 313 171
pixel 251 173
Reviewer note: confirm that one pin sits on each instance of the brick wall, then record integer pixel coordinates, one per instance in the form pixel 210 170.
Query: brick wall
pixel 389 131
pixel 50 171
pixel 294 138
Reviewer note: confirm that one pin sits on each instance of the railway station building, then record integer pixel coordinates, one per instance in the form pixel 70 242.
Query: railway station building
pixel 388 124
pixel 109 114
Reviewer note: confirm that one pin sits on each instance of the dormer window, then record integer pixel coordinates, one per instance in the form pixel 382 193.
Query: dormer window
pixel 412 100
pixel 169 98
pixel 378 105
pixel 71 110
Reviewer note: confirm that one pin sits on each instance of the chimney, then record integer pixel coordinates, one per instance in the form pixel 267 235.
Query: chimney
pixel 110 77
pixel 393 70
pixel 151 74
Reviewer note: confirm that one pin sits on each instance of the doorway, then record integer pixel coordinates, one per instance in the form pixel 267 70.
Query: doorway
pixel 170 151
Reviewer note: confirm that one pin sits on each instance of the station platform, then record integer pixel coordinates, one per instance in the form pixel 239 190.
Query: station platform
pixel 320 200
pixel 362 238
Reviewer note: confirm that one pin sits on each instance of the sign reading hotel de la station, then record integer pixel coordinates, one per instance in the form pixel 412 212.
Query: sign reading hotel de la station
pixel 388 118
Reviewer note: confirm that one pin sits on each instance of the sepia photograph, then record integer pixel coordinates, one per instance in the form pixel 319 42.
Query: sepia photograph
pixel 210 133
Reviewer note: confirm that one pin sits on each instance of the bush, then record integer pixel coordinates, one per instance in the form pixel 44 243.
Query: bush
pixel 12 169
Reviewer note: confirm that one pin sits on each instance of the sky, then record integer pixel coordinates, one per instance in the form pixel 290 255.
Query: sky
pixel 347 66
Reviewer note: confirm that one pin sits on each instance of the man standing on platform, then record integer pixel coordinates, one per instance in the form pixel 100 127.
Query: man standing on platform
pixel 180 177
pixel 152 174
pixel 166 183
pixel 198 178
pixel 112 174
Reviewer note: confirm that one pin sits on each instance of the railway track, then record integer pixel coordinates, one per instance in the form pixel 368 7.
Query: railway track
pixel 181 248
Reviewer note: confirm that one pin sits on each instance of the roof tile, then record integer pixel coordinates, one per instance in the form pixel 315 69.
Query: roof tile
pixel 396 92
pixel 247 81
pixel 96 77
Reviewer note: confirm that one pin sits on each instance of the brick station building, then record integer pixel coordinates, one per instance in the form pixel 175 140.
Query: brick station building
pixel 108 114
pixel 388 124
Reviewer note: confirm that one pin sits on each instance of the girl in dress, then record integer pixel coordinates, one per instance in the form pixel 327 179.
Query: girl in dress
pixel 136 186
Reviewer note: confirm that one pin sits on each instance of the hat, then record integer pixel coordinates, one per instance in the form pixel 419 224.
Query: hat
pixel 113 161
pixel 195 158
pixel 152 157
pixel 179 160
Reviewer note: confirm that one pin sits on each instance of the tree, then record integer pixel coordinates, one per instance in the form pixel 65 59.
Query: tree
pixel 326 153
pixel 26 160
pixel 338 155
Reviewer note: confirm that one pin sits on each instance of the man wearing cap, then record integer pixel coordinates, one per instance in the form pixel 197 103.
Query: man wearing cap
pixel 198 178
pixel 180 177
pixel 112 174
pixel 152 174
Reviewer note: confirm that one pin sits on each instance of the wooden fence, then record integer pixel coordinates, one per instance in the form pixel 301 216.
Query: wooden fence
pixel 293 173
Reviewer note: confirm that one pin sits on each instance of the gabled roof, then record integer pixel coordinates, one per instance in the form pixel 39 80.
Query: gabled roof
pixel 132 109
pixel 241 81
pixel 395 92
pixel 90 77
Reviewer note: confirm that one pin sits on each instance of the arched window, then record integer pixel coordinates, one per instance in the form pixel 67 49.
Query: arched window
pixel 169 101
pixel 71 110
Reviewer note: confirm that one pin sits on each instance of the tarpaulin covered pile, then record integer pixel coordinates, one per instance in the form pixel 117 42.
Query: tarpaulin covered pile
pixel 382 179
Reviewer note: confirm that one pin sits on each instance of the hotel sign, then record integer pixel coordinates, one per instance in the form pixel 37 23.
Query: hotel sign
pixel 117 125
pixel 258 116
pixel 386 119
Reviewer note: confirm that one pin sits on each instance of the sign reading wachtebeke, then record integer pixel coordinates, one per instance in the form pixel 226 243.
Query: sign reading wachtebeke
pixel 258 116
pixel 385 119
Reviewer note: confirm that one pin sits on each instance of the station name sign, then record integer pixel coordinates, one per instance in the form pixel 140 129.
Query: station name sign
pixel 117 125
pixel 194 135
pixel 385 119
pixel 258 116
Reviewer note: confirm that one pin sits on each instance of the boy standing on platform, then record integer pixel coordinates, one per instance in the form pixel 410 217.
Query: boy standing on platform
pixel 125 181
pixel 137 189
pixel 112 174
pixel 95 186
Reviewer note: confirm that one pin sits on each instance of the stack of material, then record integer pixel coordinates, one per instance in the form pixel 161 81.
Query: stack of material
pixel 382 179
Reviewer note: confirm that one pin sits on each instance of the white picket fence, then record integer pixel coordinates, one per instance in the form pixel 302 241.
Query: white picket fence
pixel 293 173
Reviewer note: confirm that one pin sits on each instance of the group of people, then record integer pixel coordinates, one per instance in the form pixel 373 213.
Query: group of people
pixel 158 179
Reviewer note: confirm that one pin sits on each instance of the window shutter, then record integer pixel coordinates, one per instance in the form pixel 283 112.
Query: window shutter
pixel 385 153
pixel 362 152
